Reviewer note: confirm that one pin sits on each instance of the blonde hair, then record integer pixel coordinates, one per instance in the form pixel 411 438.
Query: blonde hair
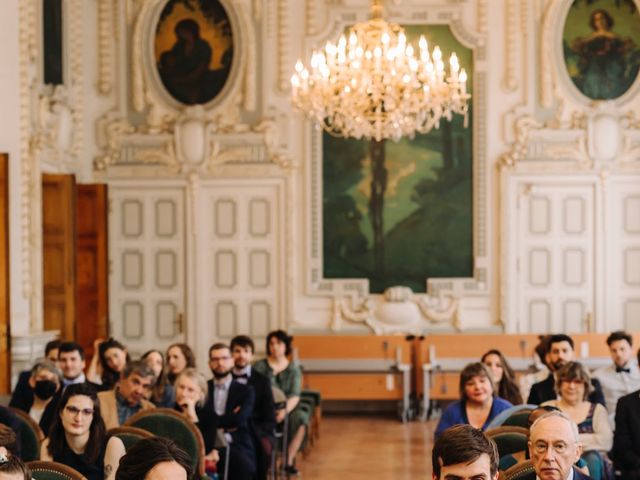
pixel 195 376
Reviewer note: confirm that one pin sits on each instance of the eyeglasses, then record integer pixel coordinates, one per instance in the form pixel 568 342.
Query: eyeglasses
pixel 73 411
pixel 559 447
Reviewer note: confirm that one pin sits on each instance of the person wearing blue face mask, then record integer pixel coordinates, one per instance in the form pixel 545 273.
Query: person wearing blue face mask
pixel 45 382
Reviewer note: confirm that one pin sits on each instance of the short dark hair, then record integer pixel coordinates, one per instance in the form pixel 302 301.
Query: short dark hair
pixel 138 367
pixel 15 465
pixel 463 444
pixel 7 438
pixel 282 337
pixel 619 335
pixel 475 369
pixel 560 337
pixel 218 346
pixel 243 341
pixel 51 345
pixel 66 347
pixel 605 14
pixel 146 454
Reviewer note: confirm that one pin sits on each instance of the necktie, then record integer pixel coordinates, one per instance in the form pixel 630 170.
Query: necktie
pixel 622 369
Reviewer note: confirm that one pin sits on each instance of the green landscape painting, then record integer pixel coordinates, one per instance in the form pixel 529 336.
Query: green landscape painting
pixel 418 222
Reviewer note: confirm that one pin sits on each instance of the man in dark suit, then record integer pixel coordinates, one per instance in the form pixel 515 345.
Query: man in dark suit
pixel 263 421
pixel 232 405
pixel 560 353
pixel 626 440
pixel 554 447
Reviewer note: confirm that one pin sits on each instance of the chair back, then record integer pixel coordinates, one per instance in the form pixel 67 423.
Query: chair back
pixel 521 471
pixel 509 439
pixel 518 419
pixel 53 471
pixel 167 423
pixel 129 435
pixel 31 436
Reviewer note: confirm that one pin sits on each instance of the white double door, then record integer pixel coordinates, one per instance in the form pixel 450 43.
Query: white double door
pixel 571 252
pixel 196 268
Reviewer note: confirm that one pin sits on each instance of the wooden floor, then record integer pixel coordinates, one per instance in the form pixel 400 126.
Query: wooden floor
pixel 368 448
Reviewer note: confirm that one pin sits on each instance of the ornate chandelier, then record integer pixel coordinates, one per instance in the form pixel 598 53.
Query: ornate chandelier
pixel 373 85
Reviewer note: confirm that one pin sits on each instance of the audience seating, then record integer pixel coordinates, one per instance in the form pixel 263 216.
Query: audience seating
pixel 509 439
pixel 168 423
pixel 129 435
pixel 313 398
pixel 513 416
pixel 53 471
pixel 521 471
pixel 31 436
pixel 280 402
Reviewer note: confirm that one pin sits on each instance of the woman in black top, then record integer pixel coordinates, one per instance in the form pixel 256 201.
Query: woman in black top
pixel 78 437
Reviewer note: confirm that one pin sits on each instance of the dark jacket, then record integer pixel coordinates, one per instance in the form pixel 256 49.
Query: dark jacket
pixel 545 390
pixel 263 420
pixel 22 399
pixel 626 439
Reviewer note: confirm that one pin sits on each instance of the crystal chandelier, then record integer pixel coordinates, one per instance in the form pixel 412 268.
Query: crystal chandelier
pixel 373 85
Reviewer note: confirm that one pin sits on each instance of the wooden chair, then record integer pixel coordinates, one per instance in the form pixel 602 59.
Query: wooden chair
pixel 53 471
pixel 167 423
pixel 509 439
pixel 31 436
pixel 129 435
pixel 521 471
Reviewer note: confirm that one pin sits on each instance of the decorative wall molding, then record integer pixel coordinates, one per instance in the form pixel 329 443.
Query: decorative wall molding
pixel 399 310
pixel 105 46
pixel 510 44
pixel 284 50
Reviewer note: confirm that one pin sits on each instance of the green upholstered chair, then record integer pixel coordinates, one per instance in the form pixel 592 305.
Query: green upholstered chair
pixel 167 423
pixel 509 439
pixel 521 471
pixel 518 419
pixel 31 436
pixel 313 398
pixel 129 435
pixel 53 471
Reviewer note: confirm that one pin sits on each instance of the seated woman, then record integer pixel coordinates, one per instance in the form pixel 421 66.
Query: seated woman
pixel 78 438
pixel 191 393
pixel 179 356
pixel 478 403
pixel 107 365
pixel 162 394
pixel 503 377
pixel 573 385
pixel 288 378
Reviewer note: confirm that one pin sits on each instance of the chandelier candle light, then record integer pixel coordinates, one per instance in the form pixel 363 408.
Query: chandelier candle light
pixel 372 84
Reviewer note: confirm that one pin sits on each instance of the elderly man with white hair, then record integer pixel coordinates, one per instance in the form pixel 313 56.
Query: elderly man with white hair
pixel 554 447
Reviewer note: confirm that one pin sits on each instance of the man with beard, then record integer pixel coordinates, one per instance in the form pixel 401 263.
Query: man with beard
pixel 232 404
pixel 560 353
pixel 263 421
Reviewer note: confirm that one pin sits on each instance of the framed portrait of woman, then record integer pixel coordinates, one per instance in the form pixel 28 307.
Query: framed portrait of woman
pixel 601 47
pixel 193 50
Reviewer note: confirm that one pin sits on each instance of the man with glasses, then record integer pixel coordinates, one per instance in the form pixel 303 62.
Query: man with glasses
pixel 554 447
pixel 128 396
pixel 232 404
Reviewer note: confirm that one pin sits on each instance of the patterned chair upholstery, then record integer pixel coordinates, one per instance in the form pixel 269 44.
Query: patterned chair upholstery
pixel 31 436
pixel 167 423
pixel 53 471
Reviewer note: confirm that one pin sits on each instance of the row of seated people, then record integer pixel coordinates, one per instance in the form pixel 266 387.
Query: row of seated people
pixel 75 412
pixel 604 405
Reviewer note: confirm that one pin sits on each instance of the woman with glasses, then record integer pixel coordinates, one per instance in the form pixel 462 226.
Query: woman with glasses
pixel 573 385
pixel 78 437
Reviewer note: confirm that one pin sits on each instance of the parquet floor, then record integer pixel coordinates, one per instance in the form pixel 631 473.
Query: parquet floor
pixel 366 448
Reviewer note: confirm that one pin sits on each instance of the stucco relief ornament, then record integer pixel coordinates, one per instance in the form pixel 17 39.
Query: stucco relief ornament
pixel 398 310
pixel 54 120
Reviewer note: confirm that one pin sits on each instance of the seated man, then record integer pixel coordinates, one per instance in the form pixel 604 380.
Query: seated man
pixel 623 375
pixel 154 458
pixel 554 447
pixel 463 452
pixel 560 353
pixel 44 383
pixel 128 396
pixel 626 438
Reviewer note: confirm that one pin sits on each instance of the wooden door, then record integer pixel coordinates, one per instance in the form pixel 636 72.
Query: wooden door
pixel 58 244
pixel 5 357
pixel 91 265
